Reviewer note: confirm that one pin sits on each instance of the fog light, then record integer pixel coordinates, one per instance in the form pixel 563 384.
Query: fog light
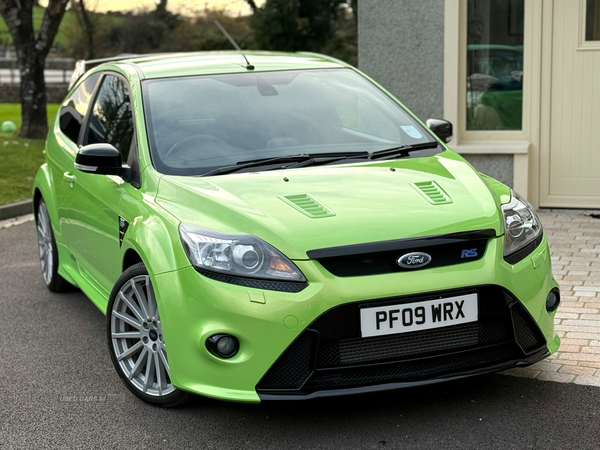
pixel 223 345
pixel 553 300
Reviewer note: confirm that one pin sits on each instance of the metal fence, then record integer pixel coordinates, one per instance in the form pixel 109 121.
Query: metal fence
pixel 56 71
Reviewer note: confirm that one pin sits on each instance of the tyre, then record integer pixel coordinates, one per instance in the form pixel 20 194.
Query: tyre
pixel 48 251
pixel 135 340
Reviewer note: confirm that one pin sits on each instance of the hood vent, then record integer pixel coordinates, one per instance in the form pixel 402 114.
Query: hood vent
pixel 307 205
pixel 432 192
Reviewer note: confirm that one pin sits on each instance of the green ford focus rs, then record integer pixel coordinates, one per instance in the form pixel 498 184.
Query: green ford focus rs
pixel 282 230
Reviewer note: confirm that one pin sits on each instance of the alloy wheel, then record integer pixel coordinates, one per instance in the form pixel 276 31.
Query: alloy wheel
pixel 137 338
pixel 45 244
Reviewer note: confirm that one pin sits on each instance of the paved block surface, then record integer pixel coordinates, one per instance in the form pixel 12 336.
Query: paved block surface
pixel 574 238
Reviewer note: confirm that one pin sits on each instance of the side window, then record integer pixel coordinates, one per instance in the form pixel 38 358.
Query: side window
pixel 111 119
pixel 75 106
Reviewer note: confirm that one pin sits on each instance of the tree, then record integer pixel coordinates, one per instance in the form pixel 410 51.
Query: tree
pixel 292 25
pixel 161 5
pixel 354 7
pixel 87 27
pixel 31 58
pixel 161 14
pixel 252 5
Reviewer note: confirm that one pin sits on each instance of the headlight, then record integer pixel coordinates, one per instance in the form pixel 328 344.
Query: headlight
pixel 521 224
pixel 236 254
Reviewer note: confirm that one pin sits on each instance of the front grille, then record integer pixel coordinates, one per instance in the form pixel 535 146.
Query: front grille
pixel 384 348
pixel 410 370
pixel 330 354
pixel 382 257
pixel 378 263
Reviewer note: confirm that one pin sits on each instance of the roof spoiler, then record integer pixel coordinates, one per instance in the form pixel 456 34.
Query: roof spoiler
pixel 83 66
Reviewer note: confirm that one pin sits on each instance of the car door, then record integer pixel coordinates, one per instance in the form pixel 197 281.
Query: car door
pixel 92 228
pixel 61 149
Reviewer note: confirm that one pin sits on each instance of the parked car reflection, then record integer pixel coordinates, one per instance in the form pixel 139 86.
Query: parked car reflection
pixel 494 87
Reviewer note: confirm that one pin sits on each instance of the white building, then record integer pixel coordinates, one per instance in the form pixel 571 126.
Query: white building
pixel 519 80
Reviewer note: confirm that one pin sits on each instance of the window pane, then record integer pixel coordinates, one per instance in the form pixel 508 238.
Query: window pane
pixel 495 64
pixel 74 108
pixel 112 120
pixel 592 21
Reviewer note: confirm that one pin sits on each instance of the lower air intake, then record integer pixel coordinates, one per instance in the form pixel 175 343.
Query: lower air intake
pixel 529 338
pixel 411 370
pixel 331 354
pixel 293 368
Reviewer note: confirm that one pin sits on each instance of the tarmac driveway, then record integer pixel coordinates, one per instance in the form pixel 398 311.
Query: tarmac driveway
pixel 58 388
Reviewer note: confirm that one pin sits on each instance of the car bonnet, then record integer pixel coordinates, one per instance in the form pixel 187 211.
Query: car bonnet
pixel 299 210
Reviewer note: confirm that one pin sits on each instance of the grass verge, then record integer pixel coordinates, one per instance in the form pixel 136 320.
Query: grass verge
pixel 12 112
pixel 19 161
pixel 20 158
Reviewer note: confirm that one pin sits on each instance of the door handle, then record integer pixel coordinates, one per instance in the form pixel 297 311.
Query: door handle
pixel 69 177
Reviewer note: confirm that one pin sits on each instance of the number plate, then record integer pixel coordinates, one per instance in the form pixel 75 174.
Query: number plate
pixel 408 317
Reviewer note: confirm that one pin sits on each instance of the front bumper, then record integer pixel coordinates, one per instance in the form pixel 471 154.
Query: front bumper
pixel 331 356
pixel 267 323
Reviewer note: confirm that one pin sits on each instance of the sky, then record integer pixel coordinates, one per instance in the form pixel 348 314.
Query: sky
pixel 233 7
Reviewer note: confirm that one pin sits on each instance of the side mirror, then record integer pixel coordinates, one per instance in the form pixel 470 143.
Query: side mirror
pixel 101 159
pixel 441 128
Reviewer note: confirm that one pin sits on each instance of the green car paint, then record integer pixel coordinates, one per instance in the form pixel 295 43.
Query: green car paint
pixel 367 201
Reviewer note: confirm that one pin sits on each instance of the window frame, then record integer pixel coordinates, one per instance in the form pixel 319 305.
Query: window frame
pixel 523 145
pixel 91 101
pixel 133 156
pixel 455 109
pixel 86 129
pixel 585 45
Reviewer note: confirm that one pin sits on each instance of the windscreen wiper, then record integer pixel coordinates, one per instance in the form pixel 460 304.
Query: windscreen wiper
pixel 403 150
pixel 299 160
pixel 304 156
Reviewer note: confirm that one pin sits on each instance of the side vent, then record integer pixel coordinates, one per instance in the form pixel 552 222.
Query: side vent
pixel 307 205
pixel 432 192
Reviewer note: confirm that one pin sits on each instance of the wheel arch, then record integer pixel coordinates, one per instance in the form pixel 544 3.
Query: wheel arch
pixel 130 258
pixel 43 188
pixel 119 349
pixel 37 196
pixel 154 241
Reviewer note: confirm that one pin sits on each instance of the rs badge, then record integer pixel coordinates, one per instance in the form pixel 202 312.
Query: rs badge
pixel 469 253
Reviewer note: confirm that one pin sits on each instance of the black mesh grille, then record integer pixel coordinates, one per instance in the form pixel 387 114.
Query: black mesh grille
pixel 384 348
pixel 528 338
pixel 331 354
pixel 412 370
pixel 494 331
pixel 281 286
pixel 293 368
pixel 520 255
pixel 412 344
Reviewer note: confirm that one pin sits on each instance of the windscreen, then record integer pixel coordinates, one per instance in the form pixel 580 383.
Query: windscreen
pixel 196 124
